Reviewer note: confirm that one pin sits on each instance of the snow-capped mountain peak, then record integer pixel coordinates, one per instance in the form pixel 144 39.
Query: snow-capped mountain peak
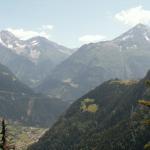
pixel 6 35
pixel 137 37
pixel 10 41
pixel 34 49
pixel 39 41
pixel 139 32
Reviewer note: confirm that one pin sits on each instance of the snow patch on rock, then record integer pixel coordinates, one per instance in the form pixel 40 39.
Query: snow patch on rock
pixel 146 37
pixel 34 43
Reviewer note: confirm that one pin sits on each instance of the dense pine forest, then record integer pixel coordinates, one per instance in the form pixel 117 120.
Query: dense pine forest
pixel 109 117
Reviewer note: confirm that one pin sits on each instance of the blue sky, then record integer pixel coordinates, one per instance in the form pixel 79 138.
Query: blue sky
pixel 72 22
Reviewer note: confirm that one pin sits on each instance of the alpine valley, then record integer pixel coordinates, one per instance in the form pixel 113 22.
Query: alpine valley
pixel 76 99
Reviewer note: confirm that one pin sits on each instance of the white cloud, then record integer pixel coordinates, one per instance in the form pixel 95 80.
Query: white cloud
pixel 23 34
pixel 47 27
pixel 134 16
pixel 91 38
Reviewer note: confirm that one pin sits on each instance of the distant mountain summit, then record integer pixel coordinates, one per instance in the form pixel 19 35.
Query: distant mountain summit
pixel 43 41
pixel 138 36
pixel 139 31
pixel 31 60
pixel 25 47
pixel 125 57
pixel 10 41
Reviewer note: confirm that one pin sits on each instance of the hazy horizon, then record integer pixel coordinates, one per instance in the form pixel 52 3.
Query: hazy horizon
pixel 72 23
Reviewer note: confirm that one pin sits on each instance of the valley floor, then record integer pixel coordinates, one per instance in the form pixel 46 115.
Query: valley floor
pixel 23 136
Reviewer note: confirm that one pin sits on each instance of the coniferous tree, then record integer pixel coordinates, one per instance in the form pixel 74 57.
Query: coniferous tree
pixel 4 143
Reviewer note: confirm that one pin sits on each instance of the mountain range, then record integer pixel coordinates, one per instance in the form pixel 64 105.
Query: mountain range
pixel 110 72
pixel 107 118
pixel 31 60
pixel 125 57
